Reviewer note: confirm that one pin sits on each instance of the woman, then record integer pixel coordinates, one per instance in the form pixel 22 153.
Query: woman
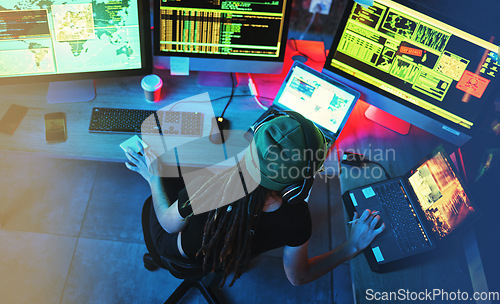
pixel 229 235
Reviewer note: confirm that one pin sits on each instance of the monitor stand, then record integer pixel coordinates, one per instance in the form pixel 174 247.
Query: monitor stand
pixel 71 91
pixel 216 79
pixel 387 120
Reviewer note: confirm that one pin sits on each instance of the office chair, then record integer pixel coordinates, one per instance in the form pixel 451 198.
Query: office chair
pixel 191 272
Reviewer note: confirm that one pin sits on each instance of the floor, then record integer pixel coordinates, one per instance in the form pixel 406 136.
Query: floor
pixel 71 233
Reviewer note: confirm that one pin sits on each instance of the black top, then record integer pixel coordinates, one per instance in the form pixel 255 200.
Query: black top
pixel 288 225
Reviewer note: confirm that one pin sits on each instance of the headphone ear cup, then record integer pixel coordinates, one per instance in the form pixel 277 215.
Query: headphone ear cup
pixel 297 192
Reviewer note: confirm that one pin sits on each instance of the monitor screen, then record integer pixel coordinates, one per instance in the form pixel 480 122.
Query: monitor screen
pixel 228 30
pixel 319 99
pixel 441 195
pixel 74 38
pixel 414 57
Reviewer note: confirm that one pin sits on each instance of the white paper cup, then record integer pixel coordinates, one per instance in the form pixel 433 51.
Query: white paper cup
pixel 152 87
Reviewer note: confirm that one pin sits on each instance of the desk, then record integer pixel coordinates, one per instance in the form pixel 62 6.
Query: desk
pixel 446 268
pixel 127 93
pixel 122 93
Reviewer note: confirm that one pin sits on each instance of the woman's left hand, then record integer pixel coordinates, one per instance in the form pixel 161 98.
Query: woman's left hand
pixel 145 163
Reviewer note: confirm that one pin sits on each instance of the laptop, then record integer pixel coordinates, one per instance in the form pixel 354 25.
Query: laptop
pixel 319 98
pixel 420 210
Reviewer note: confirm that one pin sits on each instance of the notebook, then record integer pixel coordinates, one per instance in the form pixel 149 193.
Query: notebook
pixel 317 97
pixel 421 210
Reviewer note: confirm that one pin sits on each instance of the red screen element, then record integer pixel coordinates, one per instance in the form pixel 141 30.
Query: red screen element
pixel 410 51
pixel 473 84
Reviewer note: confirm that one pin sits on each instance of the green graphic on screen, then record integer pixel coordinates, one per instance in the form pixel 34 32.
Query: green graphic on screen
pixel 426 62
pixel 222 28
pixel 39 37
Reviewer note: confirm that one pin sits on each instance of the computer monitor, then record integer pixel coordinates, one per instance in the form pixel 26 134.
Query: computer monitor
pixel 416 65
pixel 73 40
pixel 221 36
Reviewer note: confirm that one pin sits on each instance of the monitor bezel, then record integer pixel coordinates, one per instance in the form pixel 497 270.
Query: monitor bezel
pixel 433 14
pixel 146 58
pixel 280 58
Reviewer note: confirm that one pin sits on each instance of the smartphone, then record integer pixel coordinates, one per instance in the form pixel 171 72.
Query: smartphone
pixel 55 127
pixel 12 118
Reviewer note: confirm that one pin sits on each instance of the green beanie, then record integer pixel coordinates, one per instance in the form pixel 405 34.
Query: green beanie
pixel 279 152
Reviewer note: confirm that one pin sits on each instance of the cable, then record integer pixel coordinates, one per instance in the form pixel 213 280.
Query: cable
pixel 230 97
pixel 260 104
pixel 378 164
pixel 304 54
pixel 308 25
pixel 253 91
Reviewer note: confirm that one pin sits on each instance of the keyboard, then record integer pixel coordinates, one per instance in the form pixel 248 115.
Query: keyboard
pixel 408 230
pixel 135 121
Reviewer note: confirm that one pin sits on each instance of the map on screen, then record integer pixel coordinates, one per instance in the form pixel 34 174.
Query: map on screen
pixel 41 37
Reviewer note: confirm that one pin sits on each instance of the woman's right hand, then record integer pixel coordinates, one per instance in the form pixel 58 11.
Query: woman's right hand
pixel 363 229
pixel 143 162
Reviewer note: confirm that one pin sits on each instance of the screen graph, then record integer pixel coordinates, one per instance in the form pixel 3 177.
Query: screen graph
pixel 430 64
pixel 240 29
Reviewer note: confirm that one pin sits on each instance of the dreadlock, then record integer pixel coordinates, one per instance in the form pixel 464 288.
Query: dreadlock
pixel 228 231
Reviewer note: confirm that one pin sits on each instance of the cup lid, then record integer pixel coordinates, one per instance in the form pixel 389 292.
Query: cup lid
pixel 151 82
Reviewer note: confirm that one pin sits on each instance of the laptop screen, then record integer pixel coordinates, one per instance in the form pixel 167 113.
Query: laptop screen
pixel 441 195
pixel 317 97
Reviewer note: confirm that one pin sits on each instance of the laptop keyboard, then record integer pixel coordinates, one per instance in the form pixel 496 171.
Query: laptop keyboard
pixel 408 231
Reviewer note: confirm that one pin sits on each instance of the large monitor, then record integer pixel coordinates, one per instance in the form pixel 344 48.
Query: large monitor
pixel 221 36
pixel 416 65
pixel 62 40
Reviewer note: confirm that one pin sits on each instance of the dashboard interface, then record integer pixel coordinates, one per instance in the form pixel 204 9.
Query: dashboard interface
pixel 427 63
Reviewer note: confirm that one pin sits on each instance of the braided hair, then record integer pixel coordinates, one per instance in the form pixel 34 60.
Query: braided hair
pixel 228 231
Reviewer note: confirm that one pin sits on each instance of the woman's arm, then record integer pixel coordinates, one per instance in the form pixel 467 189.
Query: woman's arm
pixel 167 213
pixel 300 269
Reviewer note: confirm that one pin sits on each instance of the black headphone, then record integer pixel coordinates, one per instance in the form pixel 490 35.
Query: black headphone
pixel 298 192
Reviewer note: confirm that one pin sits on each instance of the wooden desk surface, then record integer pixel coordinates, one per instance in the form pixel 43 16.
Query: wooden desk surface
pixel 446 268
pixel 127 93
pixel 123 93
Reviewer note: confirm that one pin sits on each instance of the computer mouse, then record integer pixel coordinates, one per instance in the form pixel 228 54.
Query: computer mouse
pixel 219 125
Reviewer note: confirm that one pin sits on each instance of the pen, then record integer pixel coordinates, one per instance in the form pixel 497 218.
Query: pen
pixel 374 213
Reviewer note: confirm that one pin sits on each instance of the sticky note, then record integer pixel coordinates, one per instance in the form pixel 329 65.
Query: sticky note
pixel 179 66
pixel 132 143
pixel 368 192
pixel 378 254
pixel 472 84
pixel 354 202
